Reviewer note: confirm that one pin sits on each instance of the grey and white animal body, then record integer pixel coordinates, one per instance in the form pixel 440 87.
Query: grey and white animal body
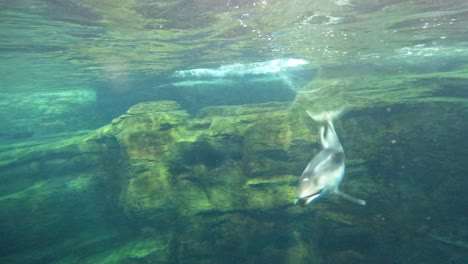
pixel 324 173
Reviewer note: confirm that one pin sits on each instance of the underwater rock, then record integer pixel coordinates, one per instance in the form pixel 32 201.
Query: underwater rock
pixel 173 168
pixel 46 112
pixel 220 186
pixel 268 141
pixel 346 257
pixel 244 237
pixel 55 188
pixel 178 165
pixel 148 135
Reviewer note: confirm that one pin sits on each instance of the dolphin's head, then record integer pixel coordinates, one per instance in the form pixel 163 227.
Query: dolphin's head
pixel 321 177
pixel 308 191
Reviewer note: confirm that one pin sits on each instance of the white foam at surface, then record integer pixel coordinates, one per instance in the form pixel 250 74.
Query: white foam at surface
pixel 239 70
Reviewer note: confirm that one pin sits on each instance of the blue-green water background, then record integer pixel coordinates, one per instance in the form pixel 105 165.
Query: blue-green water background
pixel 69 68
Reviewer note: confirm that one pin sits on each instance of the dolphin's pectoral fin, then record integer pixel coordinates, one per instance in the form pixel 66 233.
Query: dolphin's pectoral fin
pixel 350 198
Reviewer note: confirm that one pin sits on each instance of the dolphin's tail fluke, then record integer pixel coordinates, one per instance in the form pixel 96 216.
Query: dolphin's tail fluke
pixel 327 134
pixel 326 116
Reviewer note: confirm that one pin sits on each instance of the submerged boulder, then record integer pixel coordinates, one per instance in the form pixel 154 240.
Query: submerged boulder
pixel 39 113
pixel 156 167
pixel 187 166
pixel 56 188
pixel 158 185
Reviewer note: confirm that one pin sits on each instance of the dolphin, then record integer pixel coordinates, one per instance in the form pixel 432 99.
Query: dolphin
pixel 324 173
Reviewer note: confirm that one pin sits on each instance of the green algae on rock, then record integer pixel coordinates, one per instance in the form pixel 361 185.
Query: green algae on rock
pixel 46 112
pixel 178 165
pixel 222 184
pixel 53 183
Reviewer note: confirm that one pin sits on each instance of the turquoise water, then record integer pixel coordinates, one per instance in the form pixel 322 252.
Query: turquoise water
pixel 176 131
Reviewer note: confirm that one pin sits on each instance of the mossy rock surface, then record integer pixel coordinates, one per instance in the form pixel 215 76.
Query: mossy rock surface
pixel 159 186
pixel 183 165
pixel 54 183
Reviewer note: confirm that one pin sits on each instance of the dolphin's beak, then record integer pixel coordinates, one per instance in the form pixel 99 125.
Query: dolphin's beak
pixel 308 199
